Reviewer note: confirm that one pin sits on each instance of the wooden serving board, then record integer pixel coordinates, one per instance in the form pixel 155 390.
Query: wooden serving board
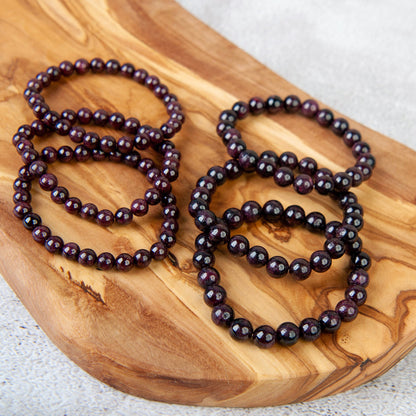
pixel 149 332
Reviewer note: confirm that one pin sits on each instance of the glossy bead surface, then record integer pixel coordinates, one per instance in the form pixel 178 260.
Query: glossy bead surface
pixel 358 277
pixel 73 205
pixel 142 258
pixel 347 310
pixel 284 176
pixel 324 117
pixel 70 251
pixel 294 215
pixel 59 195
pixel 105 218
pixel 310 329
pixel 241 329
pixel 238 245
pixel 202 259
pixel 292 103
pixel 303 184
pixel 124 262
pixel 158 251
pixel 287 334
pixel 320 261
pixel 264 336
pixel 214 295
pixel 315 221
pixel 277 267
pixel 208 276
pixel 335 248
pixel 248 160
pixel 357 294
pixel 251 211
pixel 41 233
pixel 105 261
pixel 300 269
pixel 54 244
pixel 257 256
pixel 309 108
pixel 88 211
pixel 361 260
pixel 219 234
pixel 123 216
pixel 222 315
pixel 330 321
pixel 87 257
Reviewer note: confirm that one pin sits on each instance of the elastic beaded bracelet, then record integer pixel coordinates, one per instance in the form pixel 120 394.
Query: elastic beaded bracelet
pixel 62 124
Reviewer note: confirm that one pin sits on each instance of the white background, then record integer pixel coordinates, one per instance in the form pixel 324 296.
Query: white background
pixel 359 58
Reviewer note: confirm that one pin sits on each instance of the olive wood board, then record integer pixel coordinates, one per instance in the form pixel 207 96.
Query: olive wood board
pixel 148 332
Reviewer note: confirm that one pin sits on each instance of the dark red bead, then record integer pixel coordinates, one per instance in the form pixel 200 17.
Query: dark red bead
pixel 251 211
pixel 266 167
pixel 222 315
pixel 315 221
pixel 112 66
pixel 124 262
pixel 203 259
pixel 142 258
pixel 116 121
pixel 71 251
pixel 29 155
pixel 292 103
pixel 62 127
pixel 214 295
pixel 22 196
pixel 89 211
pixel 218 174
pixel 31 220
pixel 232 169
pixel 284 176
pixel 59 195
pixel 123 216
pixel 20 184
pixel 76 134
pixel 346 233
pixel 22 209
pixel 248 160
pixel 294 215
pixel 335 248
pixel 357 294
pixel 139 207
pixel 197 205
pixel 309 108
pixel 105 261
pixel 81 66
pixel 303 184
pixel 81 153
pixel 73 205
pixel 274 104
pixel 365 169
pixel 65 154
pixel 331 229
pixel 167 238
pixel 320 261
pixel 84 115
pixel 235 147
pixel 264 336
pixel 202 242
pixel 105 218
pixel 205 219
pixel 358 277
pixel 140 75
pixel 342 182
pixel 127 70
pixel 151 81
pixel 97 65
pixel 339 126
pixel 67 68
pixel 289 160
pixel 219 234
pixel 54 244
pixel 351 137
pixel 257 256
pixel 158 251
pixel 300 269
pixel 230 134
pixel 170 224
pixel 277 267
pixel 229 116
pixel 330 321
pixel 256 105
pixel 233 218
pixel 208 276
pixel 324 117
pixel 310 329
pixel 308 166
pixel 241 329
pixel 100 117
pixel 87 257
pixel 287 334
pixel 41 233
pixel 152 196
pixel 238 245
pixel 241 109
pixel 361 260
pixel 347 310
pixel 356 176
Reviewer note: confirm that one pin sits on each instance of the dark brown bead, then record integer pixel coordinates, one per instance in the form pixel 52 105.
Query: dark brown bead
pixel 31 220
pixel 158 251
pixel 300 269
pixel 287 334
pixel 330 321
pixel 89 211
pixel 21 209
pixel 59 195
pixel 208 276
pixel 310 329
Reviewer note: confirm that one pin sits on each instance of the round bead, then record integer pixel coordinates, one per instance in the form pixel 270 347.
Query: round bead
pixel 205 219
pixel 309 108
pixel 330 321
pixel 357 294
pixel 256 105
pixel 257 256
pixel 203 259
pixel 87 257
pixel 361 260
pixel 241 329
pixel 214 295
pixel 289 160
pixel 310 329
pixel 284 176
pixel 347 310
pixel 277 267
pixel 300 269
pixel 41 233
pixel 238 245
pixel 219 234
pixel 274 104
pixel 264 336
pixel 73 205
pixel 294 215
pixel 315 221
pixel 208 276
pixel 233 218
pixel 335 248
pixel 248 160
pixel 324 117
pixel 292 103
pixel 287 334
pixel 158 251
pixel 22 209
pixel 303 184
pixel 251 211
pixel 123 216
pixel 105 261
pixel 320 261
pixel 54 244
pixel 70 251
pixel 88 211
pixel 272 211
pixel 142 258
pixel 358 277
pixel 222 315
pixel 266 167
pixel 105 218
pixel 31 221
pixel 124 262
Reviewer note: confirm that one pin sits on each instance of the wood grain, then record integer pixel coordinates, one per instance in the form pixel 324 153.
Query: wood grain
pixel 148 332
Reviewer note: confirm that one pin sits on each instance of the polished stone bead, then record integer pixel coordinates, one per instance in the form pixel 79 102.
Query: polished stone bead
pixel 300 269
pixel 41 233
pixel 241 329
pixel 142 258
pixel 361 260
pixel 89 211
pixel 251 211
pixel 238 245
pixel 315 221
pixel 277 267
pixel 105 218
pixel 105 261
pixel 54 244
pixel 222 315
pixel 284 176
pixel 205 219
pixel 287 334
pixel 219 234
pixel 294 215
pixel 310 329
pixel 208 276
pixel 124 262
pixel 357 294
pixel 358 277
pixel 309 108
pixel 320 261
pixel 330 321
pixel 347 310
pixel 272 211
pixel 203 259
pixel 335 248
pixel 22 209
pixel 71 251
pixel 303 184
pixel 87 257
pixel 257 256
pixel 264 336
pixel 214 295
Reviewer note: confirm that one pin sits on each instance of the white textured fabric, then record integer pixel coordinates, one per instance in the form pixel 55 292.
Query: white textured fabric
pixel 357 57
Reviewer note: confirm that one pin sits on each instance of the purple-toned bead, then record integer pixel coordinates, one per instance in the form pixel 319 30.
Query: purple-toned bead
pixel 81 66
pixel 29 155
pixel 54 244
pixel 347 310
pixel 346 233
pixel 238 245
pixel 201 193
pixel 41 233
pixel 320 261
pixel 88 211
pixel 251 211
pixel 76 134
pixel 87 257
pixel 218 174
pixel 202 259
pixel 310 329
pixel 167 238
pixel 21 209
pixel 142 258
pixel 123 216
pixel 54 73
pixel 97 65
pixel 207 182
pixel 324 185
pixel 151 82
pixel 152 196
pixel 274 104
pixel 308 166
pixel 256 105
pixel 257 256
pixel 49 154
pixel 100 117
pixel 324 117
pixel 67 68
pixel 158 251
pixel 63 127
pixel 300 269
pixel 272 211
pixel 358 277
pixel 219 234
pixel 22 196
pixel 59 195
pixel 266 167
pixel 351 137
pixel 214 295
pixel 277 267
pixel 315 221
pixel 284 176
pixel 330 321
pixel 105 218
pixel 287 334
pixel 124 262
pixel 140 75
pixel 342 182
pixel 241 329
pixel 208 276
pixel 294 215
pixel 339 126
pixel 331 229
pixel 229 116
pixel 31 220
pixel 303 184
pixel 20 184
pixel 81 153
pixel 65 154
pixel 367 159
pixel 84 115
pixel 112 66
pixel 354 247
pixel 205 219
pixel 170 224
pixel 131 125
pixel 73 205
pixel 230 134
pixel 264 336
pixel 202 242
pixel 353 208
pixel 309 108
pixel 361 260
pixel 292 103
pixel 335 248
pixel 235 147
pixel 197 205
pixel 71 251
pixel 232 169
pixel 241 109
pixel 356 176
pixel 357 294
pixel 233 218
pixel 222 315
pixel 171 211
pixel 365 169
pixel 105 261
pixel 289 160
pixel 222 127
pixel 354 219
